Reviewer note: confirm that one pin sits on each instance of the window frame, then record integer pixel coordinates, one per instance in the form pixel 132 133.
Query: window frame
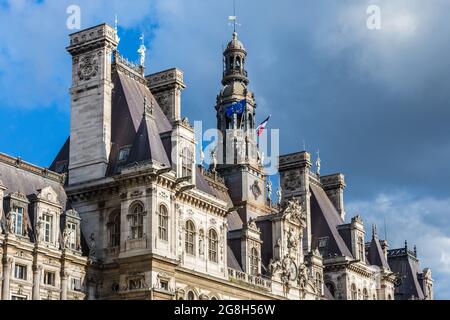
pixel 19 211
pixel 163 223
pixel 21 270
pixel 114 229
pixel 48 227
pixel 254 261
pixel 190 236
pixel 213 246
pixel 49 275
pixel 136 221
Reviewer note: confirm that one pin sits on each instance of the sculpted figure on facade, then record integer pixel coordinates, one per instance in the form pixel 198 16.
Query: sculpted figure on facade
pixel 37 230
pixel 10 222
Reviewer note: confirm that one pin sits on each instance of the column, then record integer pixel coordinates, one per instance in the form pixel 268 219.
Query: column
pixel 64 276
pixel 36 282
pixel 7 262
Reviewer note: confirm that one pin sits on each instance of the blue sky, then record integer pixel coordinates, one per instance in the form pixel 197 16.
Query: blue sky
pixel 374 102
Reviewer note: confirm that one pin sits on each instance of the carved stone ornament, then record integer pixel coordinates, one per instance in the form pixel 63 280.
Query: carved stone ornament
pixel 256 190
pixel 295 213
pixel 88 67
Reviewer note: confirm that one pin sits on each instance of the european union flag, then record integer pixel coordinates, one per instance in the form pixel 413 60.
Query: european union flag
pixel 236 107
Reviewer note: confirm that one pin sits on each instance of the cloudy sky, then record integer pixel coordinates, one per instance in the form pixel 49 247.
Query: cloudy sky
pixel 376 102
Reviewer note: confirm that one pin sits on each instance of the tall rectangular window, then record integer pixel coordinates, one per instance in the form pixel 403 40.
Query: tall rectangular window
pixel 20 272
pixel 18 220
pixel 48 228
pixel 72 235
pixel 163 223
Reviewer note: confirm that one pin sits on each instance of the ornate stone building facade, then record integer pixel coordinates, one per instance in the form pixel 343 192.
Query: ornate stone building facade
pixel 156 225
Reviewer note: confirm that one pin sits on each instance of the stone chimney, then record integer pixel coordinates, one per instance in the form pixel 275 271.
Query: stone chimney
pixel 90 123
pixel 166 87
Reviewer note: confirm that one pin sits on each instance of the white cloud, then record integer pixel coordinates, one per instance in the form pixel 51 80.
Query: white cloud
pixel 421 221
pixel 35 68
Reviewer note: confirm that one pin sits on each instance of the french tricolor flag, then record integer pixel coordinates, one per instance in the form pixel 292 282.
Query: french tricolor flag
pixel 262 126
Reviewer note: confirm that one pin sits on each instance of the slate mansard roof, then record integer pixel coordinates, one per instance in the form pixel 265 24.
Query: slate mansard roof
pixel 19 177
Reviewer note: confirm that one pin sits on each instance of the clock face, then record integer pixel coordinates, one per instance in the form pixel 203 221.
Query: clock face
pixel 293 271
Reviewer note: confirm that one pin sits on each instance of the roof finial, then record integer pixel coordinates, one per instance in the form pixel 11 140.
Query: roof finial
pixel 374 230
pixel 406 244
pixel 142 50
pixel 116 28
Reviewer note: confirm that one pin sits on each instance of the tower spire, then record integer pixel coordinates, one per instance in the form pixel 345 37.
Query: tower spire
pixel 233 20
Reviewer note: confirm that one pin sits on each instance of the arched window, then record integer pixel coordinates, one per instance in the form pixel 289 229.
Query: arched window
pixel 374 297
pixel 186 162
pixel 238 63
pixel 365 294
pixel 319 282
pixel 331 288
pixel 114 229
pixel 212 239
pixel 389 297
pixel 190 238
pixel 254 262
pixel 137 221
pixel 213 298
pixel 163 222
pixel 354 292
pixel 361 249
pixel 231 63
pixel 190 295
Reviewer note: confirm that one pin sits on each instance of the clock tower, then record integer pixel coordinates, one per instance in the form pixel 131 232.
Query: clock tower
pixel 240 163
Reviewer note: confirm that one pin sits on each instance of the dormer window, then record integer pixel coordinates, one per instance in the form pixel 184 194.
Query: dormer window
pixel 123 154
pixel 18 215
pixel 186 163
pixel 323 246
pixel 72 227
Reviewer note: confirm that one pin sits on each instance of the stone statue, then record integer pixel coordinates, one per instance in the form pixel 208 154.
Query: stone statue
pixel 269 189
pixel 10 222
pixel 292 239
pixel 37 230
pixel 318 162
pixel 202 157
pixel 141 51
pixel 214 159
pixel 260 157
pixel 274 266
pixel 66 238
pixel 279 195
pixel 92 246
pixel 201 246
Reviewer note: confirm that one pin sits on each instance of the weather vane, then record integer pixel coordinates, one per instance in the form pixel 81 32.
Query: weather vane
pixel 233 18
